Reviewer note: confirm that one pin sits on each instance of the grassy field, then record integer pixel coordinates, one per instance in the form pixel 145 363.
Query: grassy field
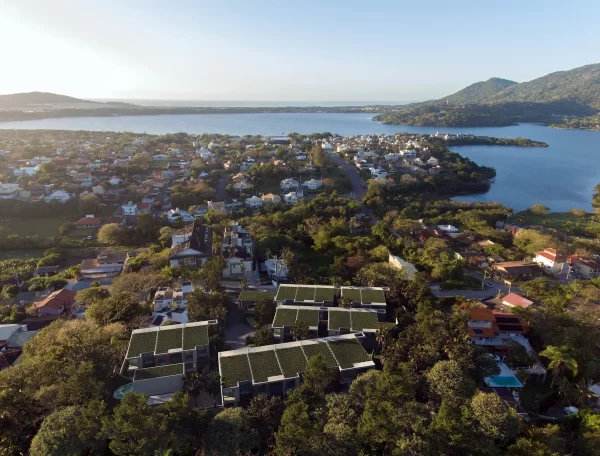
pixel 74 255
pixel 558 220
pixel 43 226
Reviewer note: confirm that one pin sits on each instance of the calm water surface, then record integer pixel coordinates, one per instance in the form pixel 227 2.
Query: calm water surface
pixel 561 176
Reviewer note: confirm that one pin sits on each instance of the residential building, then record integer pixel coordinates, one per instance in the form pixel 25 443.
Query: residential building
pixel 237 250
pixel 108 263
pixel 89 221
pixel 254 202
pixel 398 263
pixel 217 206
pixel 57 303
pixel 271 198
pixel 586 266
pixel 277 369
pixel 287 316
pixel 313 184
pixel 344 321
pixel 198 211
pixel 160 157
pixel 193 250
pixel 14 335
pixel 248 298
pixel 9 191
pixel 276 269
pixel 514 271
pixel 290 198
pixel 516 300
pixel 158 357
pixel 45 271
pixel 129 209
pixel 60 195
pixel 550 259
pixel 175 215
pixel 433 161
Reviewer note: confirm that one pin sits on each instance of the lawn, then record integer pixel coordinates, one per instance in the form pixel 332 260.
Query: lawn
pixel 292 361
pixel 264 365
pixel 30 226
pixel 349 352
pixel 234 369
pixel 20 254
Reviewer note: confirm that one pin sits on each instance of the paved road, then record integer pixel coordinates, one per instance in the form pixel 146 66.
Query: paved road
pixel 237 329
pixel 220 190
pixel 358 186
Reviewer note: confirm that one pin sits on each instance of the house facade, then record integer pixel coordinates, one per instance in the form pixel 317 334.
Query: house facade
pixel 192 249
pixel 550 259
pixel 238 251
pixel 57 303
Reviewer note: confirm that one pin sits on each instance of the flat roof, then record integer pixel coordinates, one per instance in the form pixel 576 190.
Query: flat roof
pixel 288 315
pixel 159 371
pixel 305 293
pixel 278 362
pixel 255 295
pixel 163 339
pixel 354 319
pixel 365 295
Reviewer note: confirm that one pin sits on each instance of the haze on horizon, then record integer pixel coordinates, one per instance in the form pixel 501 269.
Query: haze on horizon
pixel 273 50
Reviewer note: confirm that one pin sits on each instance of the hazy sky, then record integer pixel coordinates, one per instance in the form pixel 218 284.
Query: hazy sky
pixel 306 50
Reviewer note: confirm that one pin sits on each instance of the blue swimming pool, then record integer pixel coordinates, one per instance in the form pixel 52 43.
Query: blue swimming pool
pixel 502 380
pixel 120 392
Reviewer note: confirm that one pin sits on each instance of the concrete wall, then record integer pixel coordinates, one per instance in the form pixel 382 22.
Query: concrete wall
pixel 160 385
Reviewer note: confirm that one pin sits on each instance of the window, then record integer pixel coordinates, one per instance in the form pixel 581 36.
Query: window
pixel 478 331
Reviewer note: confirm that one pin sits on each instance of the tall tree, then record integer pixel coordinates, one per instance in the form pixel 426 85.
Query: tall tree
pixel 561 359
pixel 264 414
pixel 229 434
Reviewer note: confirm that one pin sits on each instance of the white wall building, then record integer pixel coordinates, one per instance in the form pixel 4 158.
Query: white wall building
pixel 59 195
pixel 129 209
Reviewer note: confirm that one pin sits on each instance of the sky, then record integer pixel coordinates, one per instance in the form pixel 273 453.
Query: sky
pixel 310 50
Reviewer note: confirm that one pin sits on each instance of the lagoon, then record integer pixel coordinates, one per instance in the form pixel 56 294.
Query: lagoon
pixel 561 176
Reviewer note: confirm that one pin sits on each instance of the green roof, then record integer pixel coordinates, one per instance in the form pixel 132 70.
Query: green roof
pixel 284 317
pixel 194 335
pixel 311 350
pixel 324 294
pixel 234 369
pixel 254 295
pixel 286 292
pixel 339 319
pixel 305 294
pixel 352 293
pixel 292 361
pixel 264 365
pixel 348 352
pixel 141 342
pixel 364 320
pixel 309 316
pixel 169 339
pixel 369 296
pixel 160 371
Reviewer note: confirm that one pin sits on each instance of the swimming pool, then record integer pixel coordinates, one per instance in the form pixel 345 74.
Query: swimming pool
pixel 504 380
pixel 121 391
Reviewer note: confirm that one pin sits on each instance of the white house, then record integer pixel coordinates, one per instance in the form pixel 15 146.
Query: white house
pixel 9 191
pixel 377 173
pixel 254 202
pixel 237 250
pixel 392 157
pixel 399 263
pixel 129 209
pixel 313 184
pixel 433 161
pixel 417 161
pixel 27 170
pixel 408 153
pixel 550 259
pixel 175 214
pixel 271 198
pixel 160 157
pixel 327 147
pixel 59 195
pixel 277 269
pixel 205 154
pixel 290 198
pixel 289 184
pixel 114 181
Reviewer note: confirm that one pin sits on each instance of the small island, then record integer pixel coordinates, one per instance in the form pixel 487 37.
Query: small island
pixel 472 140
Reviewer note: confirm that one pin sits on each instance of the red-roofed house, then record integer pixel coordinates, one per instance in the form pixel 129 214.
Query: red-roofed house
pixel 550 259
pixel 143 208
pixel 57 303
pixel 89 221
pixel 516 300
pixel 586 266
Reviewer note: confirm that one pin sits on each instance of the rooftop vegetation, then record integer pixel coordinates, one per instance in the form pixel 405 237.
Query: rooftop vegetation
pixel 286 292
pixel 339 319
pixel 284 317
pixel 264 365
pixel 305 294
pixel 348 352
pixel 142 342
pixel 160 371
pixel 169 339
pixel 364 320
pixel 369 296
pixel 194 335
pixel 323 294
pixel 352 293
pixel 253 296
pixel 292 361
pixel 314 349
pixel 309 316
pixel 234 369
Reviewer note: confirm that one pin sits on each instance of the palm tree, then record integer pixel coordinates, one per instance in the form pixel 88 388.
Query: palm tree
pixel 561 358
pixel 193 383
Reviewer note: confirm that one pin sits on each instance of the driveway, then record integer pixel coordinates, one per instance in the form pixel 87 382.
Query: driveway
pixel 237 329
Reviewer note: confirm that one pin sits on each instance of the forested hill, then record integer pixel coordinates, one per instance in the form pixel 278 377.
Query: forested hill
pixel 479 92
pixel 581 86
pixel 24 100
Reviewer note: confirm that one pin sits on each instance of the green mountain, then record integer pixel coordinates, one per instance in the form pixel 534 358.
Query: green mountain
pixel 24 100
pixel 478 92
